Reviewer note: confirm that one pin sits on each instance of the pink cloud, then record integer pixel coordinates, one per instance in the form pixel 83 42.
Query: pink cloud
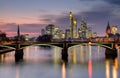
pixel 31 34
pixel 11 28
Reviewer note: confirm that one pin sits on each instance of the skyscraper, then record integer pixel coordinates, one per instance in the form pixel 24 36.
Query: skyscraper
pixel 74 28
pixel 71 25
pixel 54 31
pixel 84 31
pixel 67 34
pixel 83 28
pixel 50 29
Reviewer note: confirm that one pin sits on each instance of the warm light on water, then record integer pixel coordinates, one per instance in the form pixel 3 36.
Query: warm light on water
pixel 107 69
pixel 63 70
pixel 45 62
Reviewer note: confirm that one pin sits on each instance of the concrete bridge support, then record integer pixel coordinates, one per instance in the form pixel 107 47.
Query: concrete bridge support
pixel 111 53
pixel 18 53
pixel 64 53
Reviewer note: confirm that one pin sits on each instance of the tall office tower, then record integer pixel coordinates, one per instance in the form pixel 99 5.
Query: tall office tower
pixel 83 29
pixel 56 33
pixel 62 35
pixel 67 34
pixel 108 30
pixel 74 28
pixel 50 29
pixel 83 25
pixel 71 25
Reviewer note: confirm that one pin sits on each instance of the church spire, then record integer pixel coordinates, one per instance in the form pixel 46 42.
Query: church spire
pixel 18 33
pixel 108 29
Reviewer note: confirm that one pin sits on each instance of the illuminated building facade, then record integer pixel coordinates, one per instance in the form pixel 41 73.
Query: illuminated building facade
pixel 54 31
pixel 50 29
pixel 24 37
pixel 94 34
pixel 112 32
pixel 67 34
pixel 84 31
pixel 71 25
pixel 75 28
pixel 62 34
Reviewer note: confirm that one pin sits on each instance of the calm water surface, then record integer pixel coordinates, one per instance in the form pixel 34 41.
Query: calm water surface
pixel 45 62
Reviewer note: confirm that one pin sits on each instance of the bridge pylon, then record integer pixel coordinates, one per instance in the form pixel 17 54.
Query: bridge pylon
pixel 65 52
pixel 18 52
pixel 111 53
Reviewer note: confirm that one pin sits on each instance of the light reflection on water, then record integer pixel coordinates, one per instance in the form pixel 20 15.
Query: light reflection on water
pixel 45 62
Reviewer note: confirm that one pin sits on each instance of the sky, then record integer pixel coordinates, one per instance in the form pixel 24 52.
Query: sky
pixel 34 15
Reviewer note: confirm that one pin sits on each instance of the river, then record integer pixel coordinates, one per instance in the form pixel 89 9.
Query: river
pixel 45 62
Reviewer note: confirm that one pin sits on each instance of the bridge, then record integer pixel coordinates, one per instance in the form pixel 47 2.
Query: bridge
pixel 65 45
pixel 60 44
pixel 18 46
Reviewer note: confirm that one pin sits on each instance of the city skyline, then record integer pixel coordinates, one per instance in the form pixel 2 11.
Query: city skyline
pixel 32 16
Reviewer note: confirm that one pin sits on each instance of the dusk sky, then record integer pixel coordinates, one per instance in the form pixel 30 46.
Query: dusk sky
pixel 33 15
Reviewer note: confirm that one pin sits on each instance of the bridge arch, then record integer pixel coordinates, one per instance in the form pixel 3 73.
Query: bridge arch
pixel 61 45
pixel 86 44
pixel 40 45
pixel 7 46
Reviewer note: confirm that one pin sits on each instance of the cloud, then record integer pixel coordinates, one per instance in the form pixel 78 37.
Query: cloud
pixel 97 17
pixel 27 18
pixel 31 34
pixel 1 20
pixel 47 20
pixel 43 11
pixel 31 29
pixel 115 2
pixel 88 0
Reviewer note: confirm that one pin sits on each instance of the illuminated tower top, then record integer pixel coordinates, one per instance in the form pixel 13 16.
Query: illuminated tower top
pixel 71 16
pixel 75 21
